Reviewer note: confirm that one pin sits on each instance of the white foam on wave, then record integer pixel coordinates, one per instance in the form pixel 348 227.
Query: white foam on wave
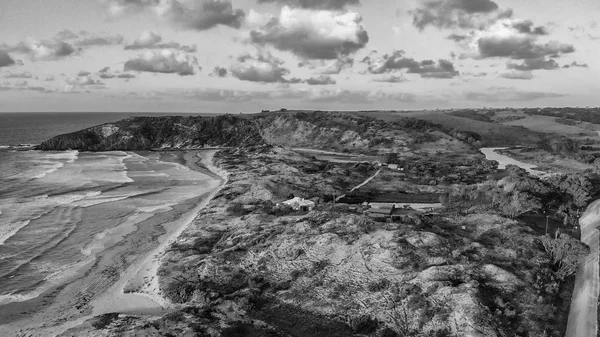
pixel 6 232
pixel 40 206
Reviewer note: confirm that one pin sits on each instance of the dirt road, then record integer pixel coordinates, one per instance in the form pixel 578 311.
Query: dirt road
pixel 583 316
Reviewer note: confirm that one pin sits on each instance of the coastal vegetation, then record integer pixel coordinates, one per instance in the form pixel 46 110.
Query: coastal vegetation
pixel 497 258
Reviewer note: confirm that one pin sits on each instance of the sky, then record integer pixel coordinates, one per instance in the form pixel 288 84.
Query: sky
pixel 249 55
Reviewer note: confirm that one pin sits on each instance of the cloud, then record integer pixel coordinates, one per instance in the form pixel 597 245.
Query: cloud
pixel 99 41
pixel 397 61
pixel 321 80
pixel 315 4
pixel 190 14
pixel 83 81
pixel 50 78
pixel 165 61
pixel 147 39
pixel 358 97
pixel 518 75
pixel 508 94
pixel 219 72
pixel 83 73
pixel 309 34
pixel 526 27
pixel 107 76
pixel 466 14
pixel 23 86
pixel 520 47
pixel 66 34
pixel 457 37
pixel 151 40
pixel 45 50
pixel 575 64
pixel 339 65
pixel 534 64
pixel 264 68
pixel 25 74
pixel 224 95
pixel 5 59
pixel 391 79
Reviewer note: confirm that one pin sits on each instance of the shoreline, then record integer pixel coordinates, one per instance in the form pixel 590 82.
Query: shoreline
pixel 97 286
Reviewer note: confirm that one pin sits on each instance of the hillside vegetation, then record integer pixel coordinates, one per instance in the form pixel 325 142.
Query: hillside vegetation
pixel 319 130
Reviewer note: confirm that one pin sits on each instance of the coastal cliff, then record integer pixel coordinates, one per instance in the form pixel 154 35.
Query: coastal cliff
pixel 322 130
pixel 137 133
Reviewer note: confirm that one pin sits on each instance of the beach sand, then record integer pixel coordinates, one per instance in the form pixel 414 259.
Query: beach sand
pixel 97 286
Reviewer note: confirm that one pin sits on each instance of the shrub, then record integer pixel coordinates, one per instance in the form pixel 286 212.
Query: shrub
pixel 236 209
pixel 100 322
pixel 179 291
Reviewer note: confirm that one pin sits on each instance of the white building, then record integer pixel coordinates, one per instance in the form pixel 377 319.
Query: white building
pixel 300 204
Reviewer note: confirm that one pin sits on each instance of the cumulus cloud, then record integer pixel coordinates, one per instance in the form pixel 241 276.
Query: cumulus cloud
pixel 165 61
pixel 73 83
pixel 508 94
pixel 45 50
pixel 83 73
pixel 321 80
pixel 309 34
pixel 190 14
pixel 520 47
pixel 534 64
pixel 526 27
pixel 5 59
pixel 518 75
pixel 147 39
pixel 25 74
pixel 151 40
pixel 576 64
pixel 468 14
pixel 398 61
pixel 315 4
pixel 106 73
pixel 263 68
pixel 219 72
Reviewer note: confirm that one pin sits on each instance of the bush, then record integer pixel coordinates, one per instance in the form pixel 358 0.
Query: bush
pixel 100 322
pixel 179 291
pixel 237 209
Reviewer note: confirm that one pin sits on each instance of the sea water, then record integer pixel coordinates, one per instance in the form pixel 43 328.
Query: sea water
pixel 58 208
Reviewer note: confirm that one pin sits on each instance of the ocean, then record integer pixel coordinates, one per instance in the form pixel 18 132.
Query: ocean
pixel 34 128
pixel 59 211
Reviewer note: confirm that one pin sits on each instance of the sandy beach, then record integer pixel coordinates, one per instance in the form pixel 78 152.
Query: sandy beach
pixel 119 275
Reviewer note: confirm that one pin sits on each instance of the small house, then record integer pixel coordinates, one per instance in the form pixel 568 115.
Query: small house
pixel 383 212
pixel 300 204
pixel 393 166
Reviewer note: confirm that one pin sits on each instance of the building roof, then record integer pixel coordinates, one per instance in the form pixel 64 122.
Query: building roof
pixel 299 202
pixel 380 211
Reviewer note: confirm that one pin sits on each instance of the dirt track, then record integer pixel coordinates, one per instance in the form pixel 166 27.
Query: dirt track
pixel 583 316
